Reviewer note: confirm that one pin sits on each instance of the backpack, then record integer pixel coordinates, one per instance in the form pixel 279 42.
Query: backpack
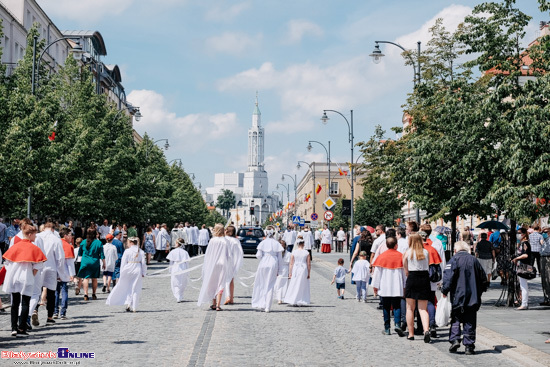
pixel 435 273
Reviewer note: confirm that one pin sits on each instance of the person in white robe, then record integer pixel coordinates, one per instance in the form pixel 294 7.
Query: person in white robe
pixel 298 292
pixel 389 281
pixel 269 252
pixel 237 254
pixel 133 268
pixel 179 262
pixel 195 242
pixel 290 237
pixel 50 243
pixel 308 240
pixel 162 243
pixel 204 237
pixel 281 284
pixel 217 269
pixel 111 256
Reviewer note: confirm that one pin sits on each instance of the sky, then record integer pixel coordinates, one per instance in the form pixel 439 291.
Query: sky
pixel 194 67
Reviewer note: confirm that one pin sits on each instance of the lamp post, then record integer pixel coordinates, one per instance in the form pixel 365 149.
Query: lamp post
pixel 77 51
pixel 287 187
pixel 148 147
pixel 191 176
pixel 312 168
pixel 350 138
pixel 175 160
pixel 309 147
pixel 377 57
pixel 293 180
pixel 137 114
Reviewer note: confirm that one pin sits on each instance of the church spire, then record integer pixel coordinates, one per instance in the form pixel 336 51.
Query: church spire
pixel 256 111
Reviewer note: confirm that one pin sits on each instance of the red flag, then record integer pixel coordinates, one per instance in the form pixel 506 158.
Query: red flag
pixel 319 188
pixel 308 196
pixel 52 135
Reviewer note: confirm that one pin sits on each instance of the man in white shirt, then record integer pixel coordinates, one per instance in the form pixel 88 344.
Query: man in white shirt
pixel 380 239
pixel 290 238
pixel 326 240
pixel 318 239
pixel 402 243
pixel 204 237
pixel 162 243
pixel 104 230
pixel 195 242
pixel 340 238
pixel 308 241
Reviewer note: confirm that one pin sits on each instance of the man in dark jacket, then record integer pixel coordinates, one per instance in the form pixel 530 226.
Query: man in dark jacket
pixel 465 279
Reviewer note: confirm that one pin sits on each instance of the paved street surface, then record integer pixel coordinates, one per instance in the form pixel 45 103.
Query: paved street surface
pixel 327 333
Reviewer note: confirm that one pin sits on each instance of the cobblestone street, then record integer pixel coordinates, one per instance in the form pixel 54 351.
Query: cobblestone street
pixel 328 332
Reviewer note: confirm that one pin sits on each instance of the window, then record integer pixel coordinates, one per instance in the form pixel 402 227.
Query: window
pixel 334 188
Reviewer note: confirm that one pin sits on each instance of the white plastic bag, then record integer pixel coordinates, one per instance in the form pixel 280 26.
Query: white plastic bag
pixel 443 312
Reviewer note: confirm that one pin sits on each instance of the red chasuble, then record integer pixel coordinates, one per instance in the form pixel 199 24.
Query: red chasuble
pixel 25 251
pixel 389 259
pixel 68 249
pixel 434 255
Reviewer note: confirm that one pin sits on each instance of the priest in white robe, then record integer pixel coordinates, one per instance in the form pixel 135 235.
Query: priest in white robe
pixel 179 262
pixel 162 243
pixel 217 269
pixel 271 264
pixel 389 281
pixel 133 268
pixel 204 237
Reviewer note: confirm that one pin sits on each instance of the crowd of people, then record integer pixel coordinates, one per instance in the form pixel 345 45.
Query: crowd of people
pixel 406 267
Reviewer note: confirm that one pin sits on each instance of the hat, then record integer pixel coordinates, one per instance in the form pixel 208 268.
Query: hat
pixel 117 232
pixel 362 229
pixel 299 240
pixel 363 253
pixel 109 237
pixel 133 239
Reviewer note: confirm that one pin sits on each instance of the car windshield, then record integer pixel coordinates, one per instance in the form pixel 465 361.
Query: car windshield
pixel 250 232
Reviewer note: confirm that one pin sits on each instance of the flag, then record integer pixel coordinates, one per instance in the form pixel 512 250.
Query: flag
pixel 342 173
pixel 52 135
pixel 318 188
pixel 308 196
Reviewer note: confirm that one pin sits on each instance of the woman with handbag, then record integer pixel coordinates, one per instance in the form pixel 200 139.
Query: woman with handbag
pixel 524 259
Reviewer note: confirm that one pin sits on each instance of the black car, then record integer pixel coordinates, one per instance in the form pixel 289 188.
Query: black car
pixel 250 237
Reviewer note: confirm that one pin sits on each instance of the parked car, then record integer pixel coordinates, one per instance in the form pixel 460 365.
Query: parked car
pixel 250 237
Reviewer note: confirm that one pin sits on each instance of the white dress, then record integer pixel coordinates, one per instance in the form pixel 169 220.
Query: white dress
pixel 217 270
pixel 236 251
pixel 298 290
pixel 271 263
pixel 133 268
pixel 281 284
pixel 178 264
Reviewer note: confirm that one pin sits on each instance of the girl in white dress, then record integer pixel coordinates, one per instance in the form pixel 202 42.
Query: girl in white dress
pixel 271 264
pixel 236 251
pixel 300 267
pixel 179 262
pixel 281 284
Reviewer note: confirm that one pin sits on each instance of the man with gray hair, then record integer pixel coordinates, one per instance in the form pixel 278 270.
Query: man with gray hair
pixel 466 280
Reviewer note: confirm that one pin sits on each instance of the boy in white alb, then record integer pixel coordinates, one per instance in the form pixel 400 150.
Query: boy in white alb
pixel 340 278
pixel 111 257
pixel 361 276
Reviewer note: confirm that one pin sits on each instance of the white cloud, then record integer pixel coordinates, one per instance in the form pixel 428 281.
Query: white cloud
pixel 91 9
pixel 219 13
pixel 298 28
pixel 190 132
pixel 234 43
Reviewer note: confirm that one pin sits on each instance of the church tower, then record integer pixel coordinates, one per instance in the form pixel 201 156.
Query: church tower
pixel 255 190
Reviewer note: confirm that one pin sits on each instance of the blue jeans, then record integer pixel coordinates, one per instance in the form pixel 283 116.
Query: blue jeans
pixel 63 301
pixel 388 303
pixel 361 289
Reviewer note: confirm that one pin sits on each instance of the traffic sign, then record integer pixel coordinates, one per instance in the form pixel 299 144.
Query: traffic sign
pixel 302 222
pixel 314 216
pixel 314 224
pixel 329 203
pixel 296 219
pixel 329 215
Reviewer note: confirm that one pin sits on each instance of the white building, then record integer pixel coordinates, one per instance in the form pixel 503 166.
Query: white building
pixel 253 203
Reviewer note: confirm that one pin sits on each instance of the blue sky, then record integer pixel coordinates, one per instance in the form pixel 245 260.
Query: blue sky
pixel 193 67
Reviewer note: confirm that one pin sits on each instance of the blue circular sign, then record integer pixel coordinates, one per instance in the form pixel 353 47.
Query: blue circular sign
pixel 314 216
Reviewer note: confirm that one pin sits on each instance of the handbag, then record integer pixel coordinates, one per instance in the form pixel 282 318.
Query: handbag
pixel 443 311
pixel 526 271
pixel 435 273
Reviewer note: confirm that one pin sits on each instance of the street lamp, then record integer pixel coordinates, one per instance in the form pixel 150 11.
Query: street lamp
pixel 309 147
pixel 312 168
pixel 377 56
pixel 293 180
pixel 325 119
pixel 76 51
pixel 191 176
pixel 174 160
pixel 148 147
pixel 137 114
pixel 287 187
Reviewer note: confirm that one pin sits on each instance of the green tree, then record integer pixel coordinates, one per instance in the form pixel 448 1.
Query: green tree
pixel 226 201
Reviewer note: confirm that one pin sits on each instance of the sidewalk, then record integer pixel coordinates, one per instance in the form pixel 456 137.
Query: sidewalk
pixel 518 334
